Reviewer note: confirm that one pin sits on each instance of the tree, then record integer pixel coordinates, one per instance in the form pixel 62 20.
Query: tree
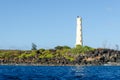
pixel 58 47
pixel 117 47
pixel 34 46
pixel 62 47
pixel 66 47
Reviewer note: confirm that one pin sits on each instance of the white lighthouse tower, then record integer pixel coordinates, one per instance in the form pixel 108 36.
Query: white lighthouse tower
pixel 79 31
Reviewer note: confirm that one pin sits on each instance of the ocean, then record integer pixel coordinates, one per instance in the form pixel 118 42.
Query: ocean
pixel 59 72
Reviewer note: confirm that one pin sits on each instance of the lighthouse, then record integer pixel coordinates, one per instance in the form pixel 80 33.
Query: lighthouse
pixel 79 31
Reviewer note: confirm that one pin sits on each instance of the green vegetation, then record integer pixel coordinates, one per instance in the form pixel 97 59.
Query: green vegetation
pixel 46 54
pixel 34 55
pixel 81 49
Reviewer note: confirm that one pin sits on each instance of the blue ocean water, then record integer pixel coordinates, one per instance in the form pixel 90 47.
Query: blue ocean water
pixel 59 73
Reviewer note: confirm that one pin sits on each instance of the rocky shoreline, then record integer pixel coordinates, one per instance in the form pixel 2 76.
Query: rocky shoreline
pixel 96 57
pixel 100 57
pixel 13 64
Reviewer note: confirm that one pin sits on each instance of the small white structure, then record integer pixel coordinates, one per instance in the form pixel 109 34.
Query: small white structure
pixel 79 31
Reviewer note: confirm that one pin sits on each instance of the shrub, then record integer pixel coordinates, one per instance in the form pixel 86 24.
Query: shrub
pixel 81 49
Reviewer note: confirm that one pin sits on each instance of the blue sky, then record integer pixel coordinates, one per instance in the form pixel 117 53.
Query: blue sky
pixel 49 23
